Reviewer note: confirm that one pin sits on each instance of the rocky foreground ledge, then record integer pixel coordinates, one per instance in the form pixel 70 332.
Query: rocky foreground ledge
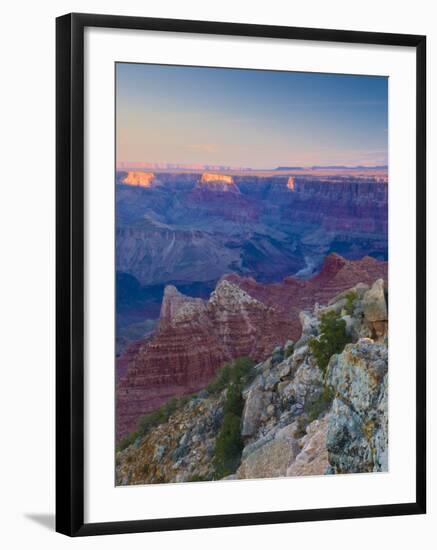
pixel 302 413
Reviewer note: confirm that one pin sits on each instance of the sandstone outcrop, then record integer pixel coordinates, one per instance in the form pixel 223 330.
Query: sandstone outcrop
pixel 139 179
pixel 208 177
pixel 290 183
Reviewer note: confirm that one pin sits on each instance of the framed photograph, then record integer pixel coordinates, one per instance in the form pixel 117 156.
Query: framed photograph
pixel 240 274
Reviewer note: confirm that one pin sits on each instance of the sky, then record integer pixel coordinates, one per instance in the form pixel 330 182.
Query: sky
pixel 249 118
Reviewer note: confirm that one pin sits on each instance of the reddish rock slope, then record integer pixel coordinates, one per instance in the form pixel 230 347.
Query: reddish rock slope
pixel 242 317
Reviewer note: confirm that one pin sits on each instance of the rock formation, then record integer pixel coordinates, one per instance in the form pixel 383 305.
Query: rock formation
pixel 218 181
pixel 241 318
pixel 139 179
pixel 357 435
pixel 297 419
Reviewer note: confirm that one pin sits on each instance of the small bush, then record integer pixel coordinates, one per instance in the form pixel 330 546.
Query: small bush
pixel 332 339
pixel 234 401
pixel 240 371
pixel 350 302
pixel 222 379
pixel 289 352
pixel 228 446
pixel 161 415
pixel 197 477
pixel 126 441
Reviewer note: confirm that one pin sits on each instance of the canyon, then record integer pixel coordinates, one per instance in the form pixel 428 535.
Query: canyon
pixel 194 337
pixel 188 229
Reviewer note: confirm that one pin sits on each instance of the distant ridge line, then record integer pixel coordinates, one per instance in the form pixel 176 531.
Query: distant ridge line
pixel 335 167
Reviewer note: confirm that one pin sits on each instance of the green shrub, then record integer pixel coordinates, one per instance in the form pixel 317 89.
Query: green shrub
pixel 161 415
pixel 332 339
pixel 228 446
pixel 289 352
pixel 234 401
pixel 197 477
pixel 240 371
pixel 243 371
pixel 351 296
pixel 221 380
pixel 126 441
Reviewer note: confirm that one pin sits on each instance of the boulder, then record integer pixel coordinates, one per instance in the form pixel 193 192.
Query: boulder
pixel 269 460
pixel 353 326
pixel 305 385
pixel 253 409
pixel 309 323
pixel 284 369
pixel 313 458
pixel 359 290
pixel 374 304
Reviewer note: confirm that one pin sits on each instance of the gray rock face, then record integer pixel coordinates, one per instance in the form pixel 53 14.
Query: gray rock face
pixel 270 459
pixel 253 409
pixel 349 434
pixel 313 458
pixel 357 436
pixel 359 290
pixel 374 304
pixel 306 384
pixel 309 323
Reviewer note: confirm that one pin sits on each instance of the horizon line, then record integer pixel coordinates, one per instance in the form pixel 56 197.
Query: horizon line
pixel 214 167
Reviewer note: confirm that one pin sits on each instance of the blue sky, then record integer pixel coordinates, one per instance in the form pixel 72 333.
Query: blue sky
pixel 249 118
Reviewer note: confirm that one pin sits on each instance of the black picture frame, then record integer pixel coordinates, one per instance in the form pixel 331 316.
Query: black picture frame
pixel 70 273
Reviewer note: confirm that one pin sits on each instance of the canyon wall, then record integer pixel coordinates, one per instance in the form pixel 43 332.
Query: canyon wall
pixel 191 227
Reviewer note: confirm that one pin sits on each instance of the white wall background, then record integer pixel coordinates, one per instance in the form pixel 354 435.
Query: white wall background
pixel 27 123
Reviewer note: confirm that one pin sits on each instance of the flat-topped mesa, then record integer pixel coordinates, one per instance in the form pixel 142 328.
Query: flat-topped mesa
pixel 208 177
pixel 139 179
pixel 217 182
pixel 290 183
